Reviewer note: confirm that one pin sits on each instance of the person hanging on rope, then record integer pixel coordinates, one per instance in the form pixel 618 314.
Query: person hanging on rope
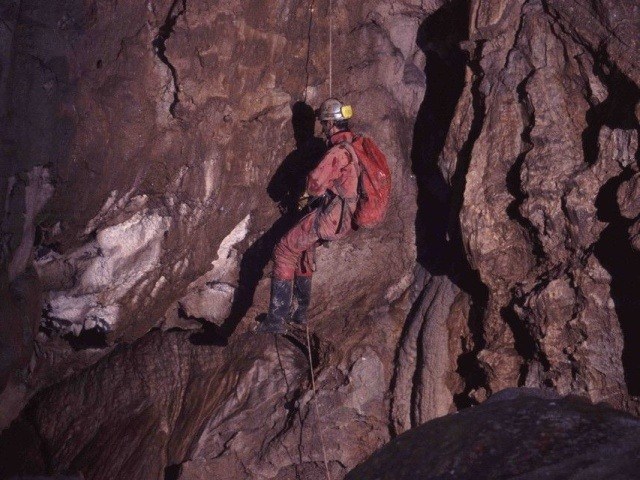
pixel 332 196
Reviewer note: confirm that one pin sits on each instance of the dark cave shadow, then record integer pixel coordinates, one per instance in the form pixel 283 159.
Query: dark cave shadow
pixel 88 339
pixel 285 188
pixel 209 333
pixel 438 231
pixel 172 472
pixel 291 406
pixel 613 248
pixel 616 254
pixel 616 111
pixel 445 65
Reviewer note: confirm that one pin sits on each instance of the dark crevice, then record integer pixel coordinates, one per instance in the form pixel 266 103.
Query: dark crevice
pixel 438 230
pixel 172 472
pixel 616 111
pixel 618 257
pixel 88 339
pixel 160 48
pixel 613 248
pixel 439 38
pixel 24 451
pixel 514 186
pixel 469 367
pixel 525 341
pixel 209 334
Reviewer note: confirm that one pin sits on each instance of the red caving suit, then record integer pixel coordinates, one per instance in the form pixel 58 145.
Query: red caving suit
pixel 337 174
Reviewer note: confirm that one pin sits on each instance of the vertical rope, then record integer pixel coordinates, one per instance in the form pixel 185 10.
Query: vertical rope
pixel 315 402
pixel 330 48
pixel 308 59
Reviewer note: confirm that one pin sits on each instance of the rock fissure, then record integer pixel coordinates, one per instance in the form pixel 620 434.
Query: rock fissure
pixel 614 251
pixel 469 365
pixel 160 48
pixel 518 35
pixel 513 176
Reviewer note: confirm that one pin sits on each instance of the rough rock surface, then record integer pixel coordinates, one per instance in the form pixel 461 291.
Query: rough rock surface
pixel 527 204
pixel 555 132
pixel 517 433
pixel 168 404
pixel 155 128
pixel 152 153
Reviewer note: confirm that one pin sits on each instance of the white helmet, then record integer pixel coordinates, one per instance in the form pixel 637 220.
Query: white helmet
pixel 333 109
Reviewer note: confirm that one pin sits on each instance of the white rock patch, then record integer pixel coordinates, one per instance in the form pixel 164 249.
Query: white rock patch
pixel 210 297
pixel 123 255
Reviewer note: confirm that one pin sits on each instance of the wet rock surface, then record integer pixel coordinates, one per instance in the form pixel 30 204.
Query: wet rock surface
pixel 517 433
pixel 154 153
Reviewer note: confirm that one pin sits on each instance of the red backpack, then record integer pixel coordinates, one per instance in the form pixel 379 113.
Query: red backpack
pixel 374 182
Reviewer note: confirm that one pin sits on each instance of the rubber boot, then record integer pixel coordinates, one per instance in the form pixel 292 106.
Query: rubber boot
pixel 279 307
pixel 302 292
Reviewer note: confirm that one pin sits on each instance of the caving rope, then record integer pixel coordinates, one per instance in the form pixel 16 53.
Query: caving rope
pixel 330 48
pixel 330 14
pixel 315 405
pixel 313 378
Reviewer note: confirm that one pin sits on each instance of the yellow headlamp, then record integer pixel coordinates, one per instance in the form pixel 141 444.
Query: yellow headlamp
pixel 346 111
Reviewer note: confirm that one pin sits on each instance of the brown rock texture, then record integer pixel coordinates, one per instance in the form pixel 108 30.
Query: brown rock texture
pixel 152 155
pixel 518 433
pixel 155 130
pixel 557 132
pixel 527 205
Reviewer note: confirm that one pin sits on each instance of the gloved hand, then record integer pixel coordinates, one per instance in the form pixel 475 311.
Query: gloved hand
pixel 303 201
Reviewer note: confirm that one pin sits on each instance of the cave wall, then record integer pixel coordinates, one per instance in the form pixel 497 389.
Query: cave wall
pixel 143 140
pixel 537 172
pixel 557 126
pixel 151 133
pixel 526 160
pixel 154 130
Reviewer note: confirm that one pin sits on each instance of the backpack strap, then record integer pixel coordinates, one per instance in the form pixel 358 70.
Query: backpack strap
pixel 354 156
pixel 354 159
pixel 352 151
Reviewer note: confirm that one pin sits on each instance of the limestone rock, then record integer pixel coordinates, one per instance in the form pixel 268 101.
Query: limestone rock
pixel 154 153
pixel 160 126
pixel 524 435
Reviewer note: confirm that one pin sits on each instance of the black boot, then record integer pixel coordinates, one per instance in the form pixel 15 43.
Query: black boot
pixel 279 307
pixel 302 292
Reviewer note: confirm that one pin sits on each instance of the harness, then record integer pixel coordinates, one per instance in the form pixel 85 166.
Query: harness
pixel 348 203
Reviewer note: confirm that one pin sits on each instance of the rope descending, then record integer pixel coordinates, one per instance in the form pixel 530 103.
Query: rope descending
pixel 330 48
pixel 315 404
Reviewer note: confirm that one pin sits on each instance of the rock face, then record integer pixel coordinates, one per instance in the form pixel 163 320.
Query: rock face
pixel 169 404
pixel 154 154
pixel 557 134
pixel 527 194
pixel 153 132
pixel 515 434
